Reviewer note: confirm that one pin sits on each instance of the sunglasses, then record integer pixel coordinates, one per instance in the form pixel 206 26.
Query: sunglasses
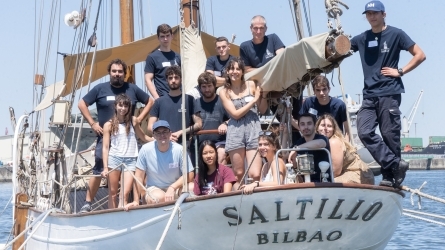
pixel 266 133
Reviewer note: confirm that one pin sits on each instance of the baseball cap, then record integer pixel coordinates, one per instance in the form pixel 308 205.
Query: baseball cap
pixel 161 123
pixel 374 6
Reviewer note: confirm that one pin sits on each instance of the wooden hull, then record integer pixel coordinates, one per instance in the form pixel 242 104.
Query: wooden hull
pixel 304 216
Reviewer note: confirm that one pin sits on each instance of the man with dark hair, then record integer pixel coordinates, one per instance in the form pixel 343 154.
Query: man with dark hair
pixel 379 50
pixel 104 95
pixel 311 140
pixel 322 103
pixel 217 64
pixel 158 61
pixel 168 107
pixel 212 113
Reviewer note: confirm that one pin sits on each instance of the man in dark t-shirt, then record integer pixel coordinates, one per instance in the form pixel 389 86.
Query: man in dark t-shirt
pixel 212 113
pixel 311 140
pixel 261 49
pixel 104 95
pixel 168 108
pixel 322 103
pixel 379 50
pixel 158 61
pixel 217 64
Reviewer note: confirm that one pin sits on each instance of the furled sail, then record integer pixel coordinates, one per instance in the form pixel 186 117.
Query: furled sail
pixel 292 64
pixel 193 58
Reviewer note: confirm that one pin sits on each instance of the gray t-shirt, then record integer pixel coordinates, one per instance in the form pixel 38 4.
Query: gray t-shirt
pixel 162 168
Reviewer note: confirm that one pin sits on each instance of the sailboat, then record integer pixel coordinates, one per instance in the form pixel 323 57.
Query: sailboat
pixel 305 215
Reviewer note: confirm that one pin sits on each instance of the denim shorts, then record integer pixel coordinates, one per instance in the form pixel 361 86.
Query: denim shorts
pixel 115 161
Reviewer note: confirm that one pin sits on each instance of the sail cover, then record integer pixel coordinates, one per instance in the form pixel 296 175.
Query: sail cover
pixel 292 64
pixel 130 53
pixel 53 92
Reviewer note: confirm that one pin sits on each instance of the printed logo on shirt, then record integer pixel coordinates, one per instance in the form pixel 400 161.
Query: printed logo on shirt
pixel 268 54
pixel 166 64
pixel 173 165
pixel 385 48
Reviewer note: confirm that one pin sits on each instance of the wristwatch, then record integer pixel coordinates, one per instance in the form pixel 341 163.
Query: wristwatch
pixel 257 183
pixel 400 72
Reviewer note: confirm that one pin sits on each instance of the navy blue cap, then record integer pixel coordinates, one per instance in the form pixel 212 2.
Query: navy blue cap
pixel 374 6
pixel 161 123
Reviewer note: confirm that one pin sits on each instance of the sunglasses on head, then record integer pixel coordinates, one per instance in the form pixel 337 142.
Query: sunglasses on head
pixel 267 133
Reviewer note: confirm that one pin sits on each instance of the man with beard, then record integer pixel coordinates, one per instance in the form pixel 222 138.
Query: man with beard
pixel 168 107
pixel 311 140
pixel 158 62
pixel 212 113
pixel 104 95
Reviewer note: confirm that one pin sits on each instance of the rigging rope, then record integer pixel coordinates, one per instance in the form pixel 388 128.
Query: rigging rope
pixel 292 12
pixel 333 11
pixel 308 23
pixel 424 219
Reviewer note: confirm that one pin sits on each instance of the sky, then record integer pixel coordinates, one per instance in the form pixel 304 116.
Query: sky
pixel 25 47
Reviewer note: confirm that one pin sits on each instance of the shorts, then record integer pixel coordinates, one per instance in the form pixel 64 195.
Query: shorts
pixel 98 162
pixel 118 162
pixel 220 144
pixel 153 188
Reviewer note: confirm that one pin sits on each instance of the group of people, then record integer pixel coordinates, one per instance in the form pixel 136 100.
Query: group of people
pixel 234 113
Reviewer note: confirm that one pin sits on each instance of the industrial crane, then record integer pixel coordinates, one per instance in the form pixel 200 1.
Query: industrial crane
pixel 406 122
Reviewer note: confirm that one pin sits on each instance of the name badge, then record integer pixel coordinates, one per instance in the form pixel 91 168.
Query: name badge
pixel 372 44
pixel 173 165
pixel 166 64
pixel 313 111
pixel 217 73
pixel 248 98
pixel 111 98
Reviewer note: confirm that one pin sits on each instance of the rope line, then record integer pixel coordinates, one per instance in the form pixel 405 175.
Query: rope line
pixel 424 219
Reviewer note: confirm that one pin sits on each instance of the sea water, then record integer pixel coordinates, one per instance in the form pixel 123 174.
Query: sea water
pixel 410 234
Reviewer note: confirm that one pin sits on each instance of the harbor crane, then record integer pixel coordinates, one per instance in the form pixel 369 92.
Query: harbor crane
pixel 406 122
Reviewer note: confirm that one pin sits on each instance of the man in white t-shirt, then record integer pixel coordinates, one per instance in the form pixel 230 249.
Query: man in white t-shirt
pixel 162 161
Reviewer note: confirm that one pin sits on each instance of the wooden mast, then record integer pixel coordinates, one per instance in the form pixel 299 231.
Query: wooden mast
pixel 127 32
pixel 190 8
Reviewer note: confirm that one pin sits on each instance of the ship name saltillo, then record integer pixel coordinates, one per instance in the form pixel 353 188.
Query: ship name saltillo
pixel 257 216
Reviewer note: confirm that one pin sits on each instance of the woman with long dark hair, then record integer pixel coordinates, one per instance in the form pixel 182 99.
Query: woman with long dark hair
pixel 119 148
pixel 243 101
pixel 212 177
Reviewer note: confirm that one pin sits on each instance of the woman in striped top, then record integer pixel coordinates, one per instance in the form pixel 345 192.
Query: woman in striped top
pixel 120 148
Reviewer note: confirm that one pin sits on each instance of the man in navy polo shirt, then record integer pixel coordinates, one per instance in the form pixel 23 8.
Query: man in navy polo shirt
pixel 322 103
pixel 104 95
pixel 379 50
pixel 158 61
pixel 217 64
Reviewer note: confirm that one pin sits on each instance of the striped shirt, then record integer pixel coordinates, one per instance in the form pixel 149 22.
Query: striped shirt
pixel 123 145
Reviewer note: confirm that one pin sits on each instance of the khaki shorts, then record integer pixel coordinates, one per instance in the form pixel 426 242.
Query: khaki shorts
pixel 154 188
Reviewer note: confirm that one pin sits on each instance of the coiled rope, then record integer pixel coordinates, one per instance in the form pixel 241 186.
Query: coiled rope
pixel 334 11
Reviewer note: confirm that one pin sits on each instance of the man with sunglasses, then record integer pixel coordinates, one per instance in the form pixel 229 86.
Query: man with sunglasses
pixel 104 95
pixel 162 161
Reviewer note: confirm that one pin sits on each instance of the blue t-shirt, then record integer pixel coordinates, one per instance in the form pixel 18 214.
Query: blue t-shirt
pixel 256 55
pixel 162 168
pixel 218 66
pixel 212 114
pixel 157 63
pixel 168 108
pixel 104 95
pixel 319 155
pixel 378 50
pixel 335 107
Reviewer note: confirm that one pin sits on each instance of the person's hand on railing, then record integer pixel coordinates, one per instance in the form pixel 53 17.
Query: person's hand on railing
pixel 222 129
pixel 248 189
pixel 170 194
pixel 292 157
pixel 174 136
pixel 104 173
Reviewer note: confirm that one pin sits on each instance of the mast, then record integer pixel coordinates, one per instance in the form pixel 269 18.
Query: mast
pixel 300 29
pixel 190 8
pixel 127 32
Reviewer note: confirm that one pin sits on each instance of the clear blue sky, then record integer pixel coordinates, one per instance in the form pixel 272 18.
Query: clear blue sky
pixel 422 20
